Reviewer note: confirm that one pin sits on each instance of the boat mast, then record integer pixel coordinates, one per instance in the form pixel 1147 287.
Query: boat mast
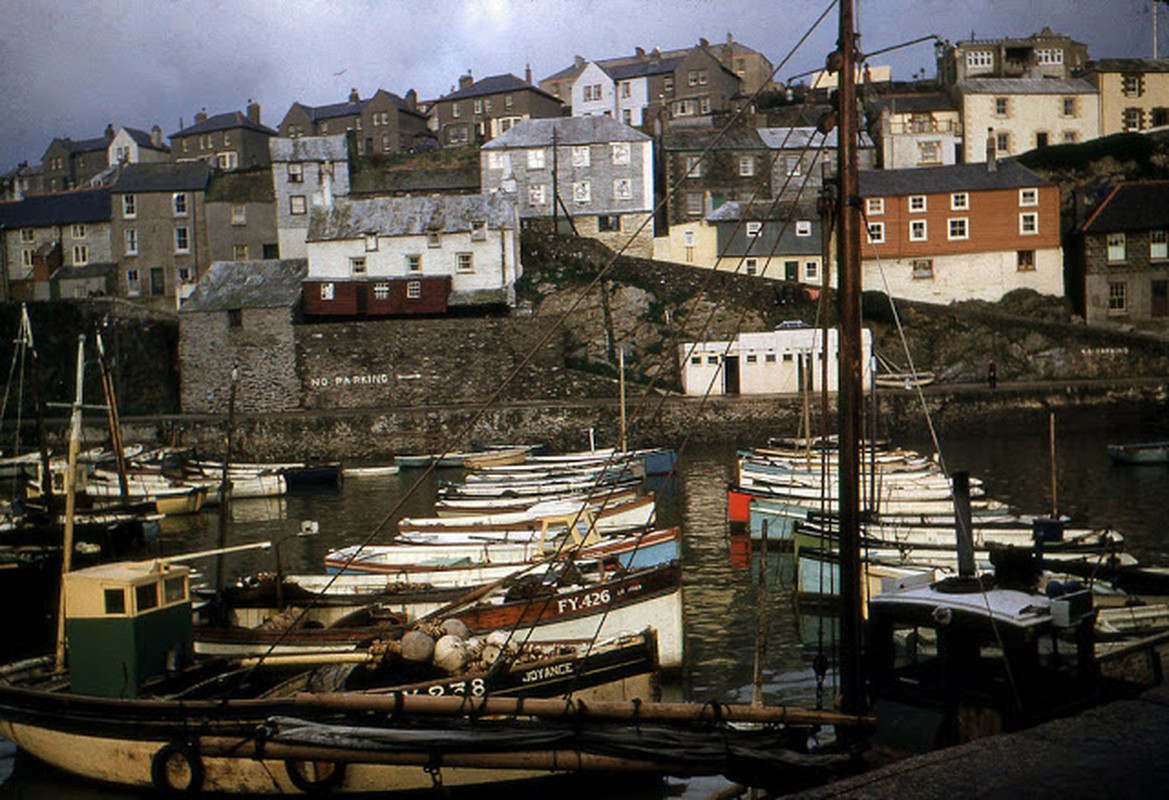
pixel 70 500
pixel 851 397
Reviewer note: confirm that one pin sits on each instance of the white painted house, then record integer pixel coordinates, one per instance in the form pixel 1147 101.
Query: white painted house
pixel 308 172
pixel 786 360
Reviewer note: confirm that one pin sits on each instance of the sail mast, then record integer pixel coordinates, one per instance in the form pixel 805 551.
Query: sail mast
pixel 851 397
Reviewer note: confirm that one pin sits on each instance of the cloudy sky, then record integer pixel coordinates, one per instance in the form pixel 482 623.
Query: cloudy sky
pixel 67 67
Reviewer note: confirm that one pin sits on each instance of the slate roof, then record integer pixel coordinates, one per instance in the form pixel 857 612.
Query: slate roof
pixel 640 69
pixel 1010 174
pixel 569 131
pixel 224 122
pixel 1132 206
pixel 83 146
pixel 183 176
pixel 143 139
pixel 1128 65
pixel 699 140
pixel 1025 86
pixel 273 283
pixel 251 186
pixel 409 216
pixel 495 84
pixel 762 210
pixel 800 138
pixel 349 109
pixel 62 208
pixel 914 103
pixel 102 270
pixel 309 148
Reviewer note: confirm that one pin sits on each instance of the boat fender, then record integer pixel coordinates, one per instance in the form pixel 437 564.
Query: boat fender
pixel 943 615
pixel 177 769
pixel 315 777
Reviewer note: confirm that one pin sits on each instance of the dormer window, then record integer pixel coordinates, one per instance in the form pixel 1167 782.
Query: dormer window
pixel 371 242
pixel 478 231
pixel 296 173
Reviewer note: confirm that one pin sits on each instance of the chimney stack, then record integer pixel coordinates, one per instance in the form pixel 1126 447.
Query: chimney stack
pixel 109 130
pixel 201 116
pixel 253 111
pixel 156 136
pixel 991 162
pixel 578 62
pixel 411 99
pixel 640 52
pixel 528 74
pixel 466 81
pixel 354 97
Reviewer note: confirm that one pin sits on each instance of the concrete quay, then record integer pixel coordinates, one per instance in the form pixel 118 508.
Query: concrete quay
pixel 1119 750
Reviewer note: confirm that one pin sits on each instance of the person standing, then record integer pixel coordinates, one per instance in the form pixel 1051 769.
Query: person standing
pixel 992 377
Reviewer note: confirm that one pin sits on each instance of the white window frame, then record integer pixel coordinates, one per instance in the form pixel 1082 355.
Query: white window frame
pixel 919 230
pixel 133 282
pixel 537 195
pixel 358 265
pixel 1117 299
pixel 1116 247
pixel 26 257
pixel 581 192
pixel 754 229
pixel 960 201
pixel 918 204
pixel 239 252
pixel 413 290
pixel 295 172
pixel 239 214
pixel 129 206
pixel 976 59
pixel 78 230
pixel 580 155
pixel 922 269
pixel 1029 223
pixel 413 263
pixel 536 158
pixel 433 239
pixel 178 203
pixel 803 227
pixel 1028 198
pixel 959 235
pixel 811 271
pixel 1158 245
pixel 327 291
pixel 464 263
pixel 621 152
pixel 297 205
pixel 693 166
pixel 28 235
pixel 746 166
pixel 876 233
pixel 622 189
pixel 874 206
pixel 371 243
pixel 80 255
pixel 182 239
pixel 227 160
pixel 130 240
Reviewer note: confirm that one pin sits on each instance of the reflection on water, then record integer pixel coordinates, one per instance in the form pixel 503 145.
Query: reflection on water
pixel 721 580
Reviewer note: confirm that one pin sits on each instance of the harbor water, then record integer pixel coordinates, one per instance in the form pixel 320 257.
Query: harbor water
pixel 722 581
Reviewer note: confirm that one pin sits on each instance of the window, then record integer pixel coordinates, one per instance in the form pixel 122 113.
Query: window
pixel 508 102
pixel 1028 197
pixel 478 106
pixel 1028 223
pixel 692 77
pixel 792 166
pixel 1133 117
pixel 621 152
pixel 28 235
pixel 228 160
pixel 536 194
pixel 270 250
pixel 1116 247
pixel 129 206
pixel 918 232
pixel 78 230
pixel 132 285
pixel 1000 106
pixel 182 241
pixel 581 192
pixel 1117 299
pixel 1158 245
pixel 923 269
pixel 146 596
pixel 357 266
pixel 1025 261
pixel 609 222
pixel 875 205
pixel 456 112
pixel 326 291
pixel 959 201
pixel 387 143
pixel 694 203
pixel 478 231
pixel 80 255
pixel 811 271
pixel 979 58
pixel 693 166
pixel 1002 143
pixel 959 228
pixel 535 159
pixel 752 358
pixel 696 359
pixel 464 263
pixel 131 237
pixel 712 359
pixel 26 257
pixel 1069 106
pixel 179 203
pixel 381 291
pixel 413 290
pixel 684 108
pixel 803 227
pixel 297 204
pixel 929 152
pixel 414 262
pixel 296 173
pixel 239 214
pixel 433 239
pixel 622 189
pixel 917 203
pixel 752 266
pixel 754 229
pixel 184 275
pixel 746 166
pixel 115 600
pixel 371 242
pixel 1132 85
pixel 876 233
pixel 239 252
pixel 668 85
pixel 580 155
pixel 1049 55
pixel 494 159
pixel 1070 137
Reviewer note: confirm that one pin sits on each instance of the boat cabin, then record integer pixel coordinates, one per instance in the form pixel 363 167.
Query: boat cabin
pixel 966 657
pixel 125 623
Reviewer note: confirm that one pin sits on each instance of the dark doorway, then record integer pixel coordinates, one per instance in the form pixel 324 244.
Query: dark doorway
pixel 731 375
pixel 362 298
pixel 1160 293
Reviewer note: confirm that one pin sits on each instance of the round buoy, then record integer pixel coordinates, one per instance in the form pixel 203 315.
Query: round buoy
pixel 450 653
pixel 177 769
pixel 315 777
pixel 417 647
pixel 456 627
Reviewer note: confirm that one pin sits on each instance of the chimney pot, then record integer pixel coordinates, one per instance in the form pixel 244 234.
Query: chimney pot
pixel 991 155
pixel 253 111
pixel 354 97
pixel 466 81
pixel 156 136
pixel 201 115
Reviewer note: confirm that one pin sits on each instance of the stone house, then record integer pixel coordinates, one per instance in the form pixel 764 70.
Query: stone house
pixel 702 85
pixel 917 130
pixel 159 230
pixel 22 180
pixel 1041 55
pixel 240 317
pixel 802 158
pixel 67 164
pixel 479 111
pixel 706 168
pixel 307 173
pixel 383 123
pixel 1133 93
pixel 226 141
pixel 960 232
pixel 1125 246
pixel 241 216
pixel 594 173
pixel 386 256
pixel 44 234
pixel 133 146
pixel 1024 113
pixel 634 93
